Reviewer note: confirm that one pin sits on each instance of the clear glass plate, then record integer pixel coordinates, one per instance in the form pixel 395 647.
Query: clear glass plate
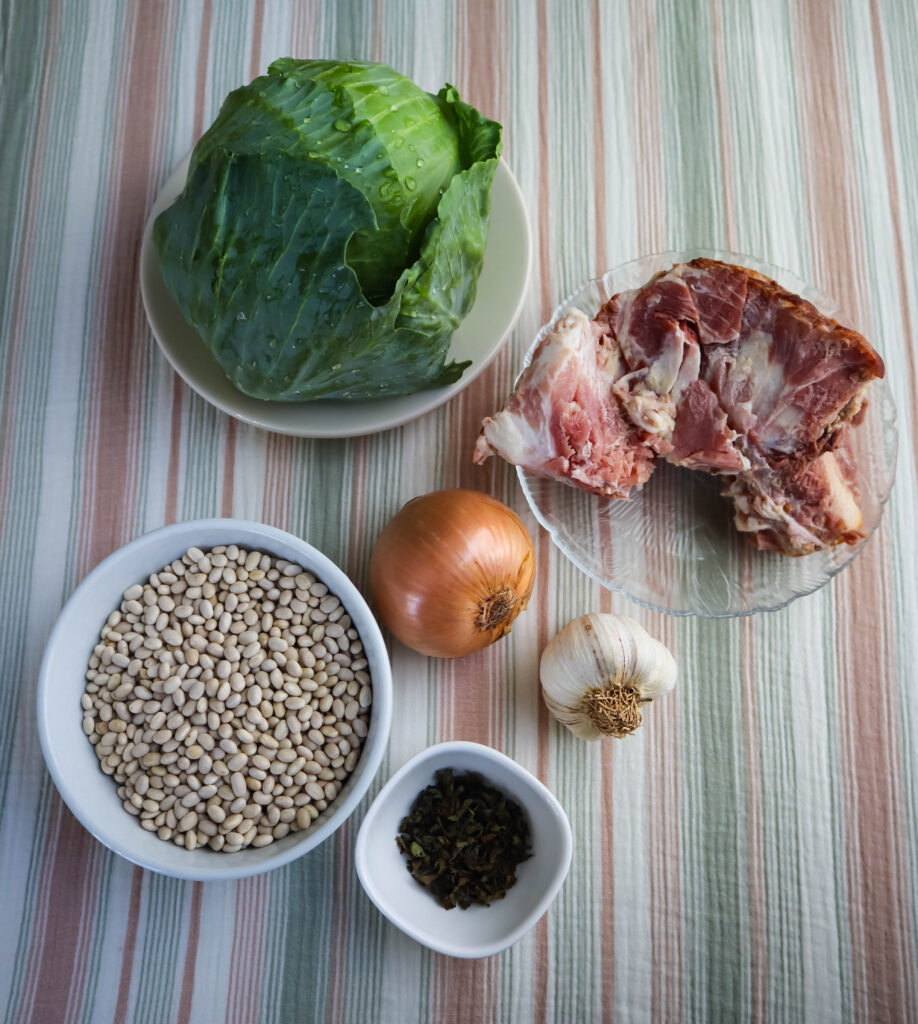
pixel 673 547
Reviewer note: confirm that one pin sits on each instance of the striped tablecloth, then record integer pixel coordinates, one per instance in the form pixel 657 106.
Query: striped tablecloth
pixel 753 853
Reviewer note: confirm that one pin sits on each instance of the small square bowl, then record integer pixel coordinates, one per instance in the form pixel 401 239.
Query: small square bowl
pixel 479 931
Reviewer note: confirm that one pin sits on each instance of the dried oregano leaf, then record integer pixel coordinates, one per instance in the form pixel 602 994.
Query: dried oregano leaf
pixel 464 839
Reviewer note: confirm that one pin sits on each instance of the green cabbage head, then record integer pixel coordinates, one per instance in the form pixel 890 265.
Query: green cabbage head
pixel 331 231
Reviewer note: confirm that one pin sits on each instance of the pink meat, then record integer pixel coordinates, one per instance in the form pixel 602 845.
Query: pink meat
pixel 702 438
pixel 713 367
pixel 798 506
pixel 565 420
pixel 653 327
pixel 718 292
pixel 793 376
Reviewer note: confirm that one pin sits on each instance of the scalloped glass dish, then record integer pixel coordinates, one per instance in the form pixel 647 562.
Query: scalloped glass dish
pixel 673 547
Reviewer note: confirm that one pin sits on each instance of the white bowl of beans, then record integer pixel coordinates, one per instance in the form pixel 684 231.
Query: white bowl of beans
pixel 214 700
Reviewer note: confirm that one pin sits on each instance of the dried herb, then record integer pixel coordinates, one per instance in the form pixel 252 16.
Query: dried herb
pixel 464 839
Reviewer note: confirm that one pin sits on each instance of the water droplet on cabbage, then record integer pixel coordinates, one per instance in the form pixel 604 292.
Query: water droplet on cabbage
pixel 240 316
pixel 420 161
pixel 410 183
pixel 342 125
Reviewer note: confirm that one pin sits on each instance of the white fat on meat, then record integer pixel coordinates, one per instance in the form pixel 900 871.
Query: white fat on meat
pixel 653 412
pixel 522 433
pixel 798 508
pixel 565 419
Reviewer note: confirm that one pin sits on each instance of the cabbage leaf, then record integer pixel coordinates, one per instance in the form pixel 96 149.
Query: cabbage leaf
pixel 331 231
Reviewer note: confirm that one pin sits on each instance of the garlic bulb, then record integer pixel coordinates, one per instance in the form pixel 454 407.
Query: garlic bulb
pixel 598 671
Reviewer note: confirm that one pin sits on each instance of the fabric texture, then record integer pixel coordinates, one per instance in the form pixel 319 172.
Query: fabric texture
pixel 751 854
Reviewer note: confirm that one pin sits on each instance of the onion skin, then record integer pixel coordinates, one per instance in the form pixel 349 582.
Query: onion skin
pixel 451 571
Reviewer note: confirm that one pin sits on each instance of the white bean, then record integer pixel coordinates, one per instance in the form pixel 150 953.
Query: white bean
pixel 245 675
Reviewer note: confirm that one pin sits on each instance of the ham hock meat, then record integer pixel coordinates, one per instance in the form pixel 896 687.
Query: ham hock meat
pixel 713 367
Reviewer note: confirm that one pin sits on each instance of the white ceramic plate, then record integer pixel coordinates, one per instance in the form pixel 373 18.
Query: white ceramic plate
pixel 479 931
pixel 501 289
pixel 672 547
pixel 71 759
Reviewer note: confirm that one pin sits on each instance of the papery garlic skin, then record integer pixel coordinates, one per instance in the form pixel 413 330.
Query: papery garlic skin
pixel 608 653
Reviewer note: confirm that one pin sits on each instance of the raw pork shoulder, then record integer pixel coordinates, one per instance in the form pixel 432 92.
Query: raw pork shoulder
pixel 713 367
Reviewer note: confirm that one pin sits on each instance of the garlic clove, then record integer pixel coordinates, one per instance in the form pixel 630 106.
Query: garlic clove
pixel 598 672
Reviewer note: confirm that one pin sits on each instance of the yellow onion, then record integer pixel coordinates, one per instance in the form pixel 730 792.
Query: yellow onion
pixel 451 571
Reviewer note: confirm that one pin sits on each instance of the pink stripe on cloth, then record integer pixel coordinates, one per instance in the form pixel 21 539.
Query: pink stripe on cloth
pixel 645 107
pixel 541 966
pixel 663 821
pixel 723 122
pixel 481 46
pixel 258 24
pixel 229 469
pixel 465 699
pixel 186 992
pixel 170 511
pixel 907 936
pixel 378 24
pixel 178 386
pixel 72 867
pixel 278 460
pixel 40 911
pixel 892 186
pixel 108 502
pixel 304 29
pixel 758 916
pixel 882 940
pixel 130 945
pixel 664 840
pixel 601 258
pixel 342 896
pixel 470 708
pixel 607 866
pixel 884 945
pixel 200 92
pixel 359 542
pixel 606 760
pixel 464 990
pixel 757 909
pixel 84 940
pixel 247 955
